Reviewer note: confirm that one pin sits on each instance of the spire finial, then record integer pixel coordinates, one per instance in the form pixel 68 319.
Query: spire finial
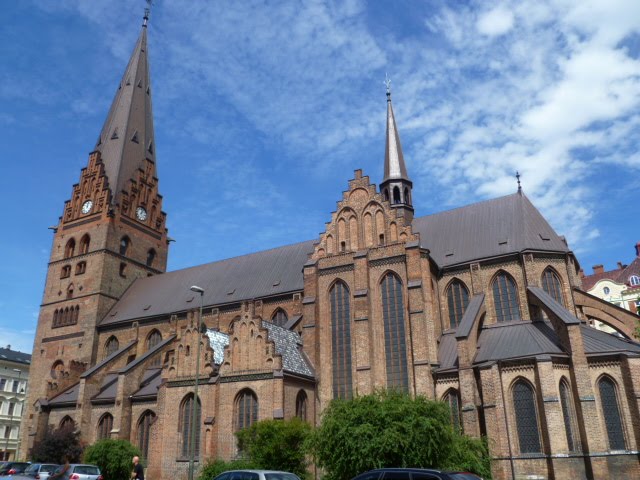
pixel 518 178
pixel 147 11
pixel 387 82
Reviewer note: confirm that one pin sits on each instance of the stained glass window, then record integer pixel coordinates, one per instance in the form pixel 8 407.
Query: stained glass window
pixel 186 424
pixel 551 284
pixel 394 333
pixel 524 405
pixel 568 413
pixel 505 298
pixel 611 413
pixel 246 409
pixel 452 398
pixel 301 405
pixel 341 340
pixel 111 346
pixel 105 426
pixel 279 317
pixel 144 431
pixel 457 299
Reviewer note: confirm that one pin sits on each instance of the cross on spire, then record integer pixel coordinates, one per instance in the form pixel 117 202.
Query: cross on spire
pixel 387 82
pixel 518 178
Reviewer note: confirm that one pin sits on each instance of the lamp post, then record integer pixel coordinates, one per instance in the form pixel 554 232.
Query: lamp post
pixel 6 441
pixel 192 439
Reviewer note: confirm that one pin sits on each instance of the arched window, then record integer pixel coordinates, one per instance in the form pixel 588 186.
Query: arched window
pixel 154 339
pixel 57 368
pixel 341 340
pixel 551 284
pixel 105 425
pixel 70 291
pixel 301 405
pixel 505 298
pixel 124 245
pixel 611 413
pixel 457 299
pixel 144 431
pixel 394 333
pixel 279 317
pixel 406 196
pixel 452 398
pixel 84 243
pixel 111 346
pixel 634 280
pixel 67 423
pixel 56 320
pixel 524 406
pixel 568 412
pixel 385 194
pixel 185 426
pixel 396 195
pixel 65 271
pixel 69 248
pixel 81 267
pixel 151 256
pixel 76 314
pixel 246 409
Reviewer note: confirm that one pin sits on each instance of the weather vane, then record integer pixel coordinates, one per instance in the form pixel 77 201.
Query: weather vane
pixel 387 82
pixel 147 11
pixel 518 178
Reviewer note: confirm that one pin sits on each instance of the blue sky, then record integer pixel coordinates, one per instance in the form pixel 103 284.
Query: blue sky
pixel 264 109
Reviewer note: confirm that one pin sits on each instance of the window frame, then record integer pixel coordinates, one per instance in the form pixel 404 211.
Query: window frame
pixel 508 308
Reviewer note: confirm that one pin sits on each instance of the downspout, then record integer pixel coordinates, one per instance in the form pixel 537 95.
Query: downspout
pixel 506 422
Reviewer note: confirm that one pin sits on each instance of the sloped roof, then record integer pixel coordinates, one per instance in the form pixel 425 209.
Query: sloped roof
pixel 66 397
pixel 14 356
pixel 150 383
pixel 589 281
pixel 108 389
pixel 448 351
pixel 486 229
pixel 598 342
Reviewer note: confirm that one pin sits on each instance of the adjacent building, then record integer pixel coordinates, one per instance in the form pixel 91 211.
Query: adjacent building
pixel 14 377
pixel 481 307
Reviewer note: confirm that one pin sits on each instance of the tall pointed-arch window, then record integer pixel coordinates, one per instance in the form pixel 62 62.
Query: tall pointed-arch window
pixel 301 405
pixel 452 398
pixel 569 415
pixel 611 413
pixel 105 425
pixel 144 432
pixel 457 300
pixel 394 333
pixel 505 298
pixel 151 256
pixel 341 340
pixel 69 248
pixel 154 339
pixel 396 195
pixel 246 409
pixel 111 346
pixel 186 425
pixel 524 406
pixel 124 245
pixel 84 243
pixel 67 423
pixel 279 317
pixel 552 285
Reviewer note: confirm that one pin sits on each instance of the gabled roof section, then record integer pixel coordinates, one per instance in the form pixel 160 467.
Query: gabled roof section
pixel 127 137
pixel 394 166
pixel 270 272
pixel 500 226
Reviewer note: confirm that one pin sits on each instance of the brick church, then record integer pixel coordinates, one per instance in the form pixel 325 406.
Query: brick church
pixel 479 306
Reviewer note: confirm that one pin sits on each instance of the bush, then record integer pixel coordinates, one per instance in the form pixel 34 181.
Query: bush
pixel 276 445
pixel 215 467
pixel 113 457
pixel 391 429
pixel 56 445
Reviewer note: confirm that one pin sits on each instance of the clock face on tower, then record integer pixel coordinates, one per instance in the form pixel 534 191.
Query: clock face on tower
pixel 87 206
pixel 141 213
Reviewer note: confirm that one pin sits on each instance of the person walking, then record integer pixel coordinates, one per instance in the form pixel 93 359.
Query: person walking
pixel 138 471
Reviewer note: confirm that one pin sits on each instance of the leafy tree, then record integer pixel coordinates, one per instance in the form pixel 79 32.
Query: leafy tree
pixel 392 429
pixel 113 457
pixel 276 444
pixel 56 444
pixel 215 467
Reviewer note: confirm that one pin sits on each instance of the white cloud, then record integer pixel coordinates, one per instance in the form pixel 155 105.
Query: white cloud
pixel 495 22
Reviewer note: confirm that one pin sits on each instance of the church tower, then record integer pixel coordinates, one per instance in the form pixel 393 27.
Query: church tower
pixel 396 185
pixel 111 232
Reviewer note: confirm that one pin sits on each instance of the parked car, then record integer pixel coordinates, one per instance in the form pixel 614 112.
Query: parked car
pixel 415 474
pixel 256 475
pixel 77 471
pixel 12 468
pixel 37 471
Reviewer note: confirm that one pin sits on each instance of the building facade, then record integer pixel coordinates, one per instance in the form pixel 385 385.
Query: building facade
pixel 480 306
pixel 14 379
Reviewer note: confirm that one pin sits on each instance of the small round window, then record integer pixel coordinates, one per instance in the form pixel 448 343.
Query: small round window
pixel 606 290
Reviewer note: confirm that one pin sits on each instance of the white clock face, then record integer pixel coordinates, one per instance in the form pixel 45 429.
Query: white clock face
pixel 87 206
pixel 141 213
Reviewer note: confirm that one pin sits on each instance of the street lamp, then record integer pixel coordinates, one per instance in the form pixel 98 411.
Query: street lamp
pixel 6 441
pixel 192 439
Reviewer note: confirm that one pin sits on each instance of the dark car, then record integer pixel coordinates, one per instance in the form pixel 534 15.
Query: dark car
pixel 415 474
pixel 11 468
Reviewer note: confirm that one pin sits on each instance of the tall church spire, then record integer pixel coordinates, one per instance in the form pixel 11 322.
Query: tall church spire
pixel 396 185
pixel 127 138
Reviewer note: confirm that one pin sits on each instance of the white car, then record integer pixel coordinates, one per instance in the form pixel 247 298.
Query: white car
pixel 256 475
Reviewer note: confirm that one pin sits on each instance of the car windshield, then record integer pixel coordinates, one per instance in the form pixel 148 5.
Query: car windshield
pixel 86 470
pixel 280 476
pixel 32 468
pixel 49 468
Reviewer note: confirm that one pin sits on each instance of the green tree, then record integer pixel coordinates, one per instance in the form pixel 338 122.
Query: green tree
pixel 391 429
pixel 213 468
pixel 276 445
pixel 113 457
pixel 56 444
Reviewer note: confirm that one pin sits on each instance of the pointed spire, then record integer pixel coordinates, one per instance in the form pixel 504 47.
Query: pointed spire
pixel 127 137
pixel 394 167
